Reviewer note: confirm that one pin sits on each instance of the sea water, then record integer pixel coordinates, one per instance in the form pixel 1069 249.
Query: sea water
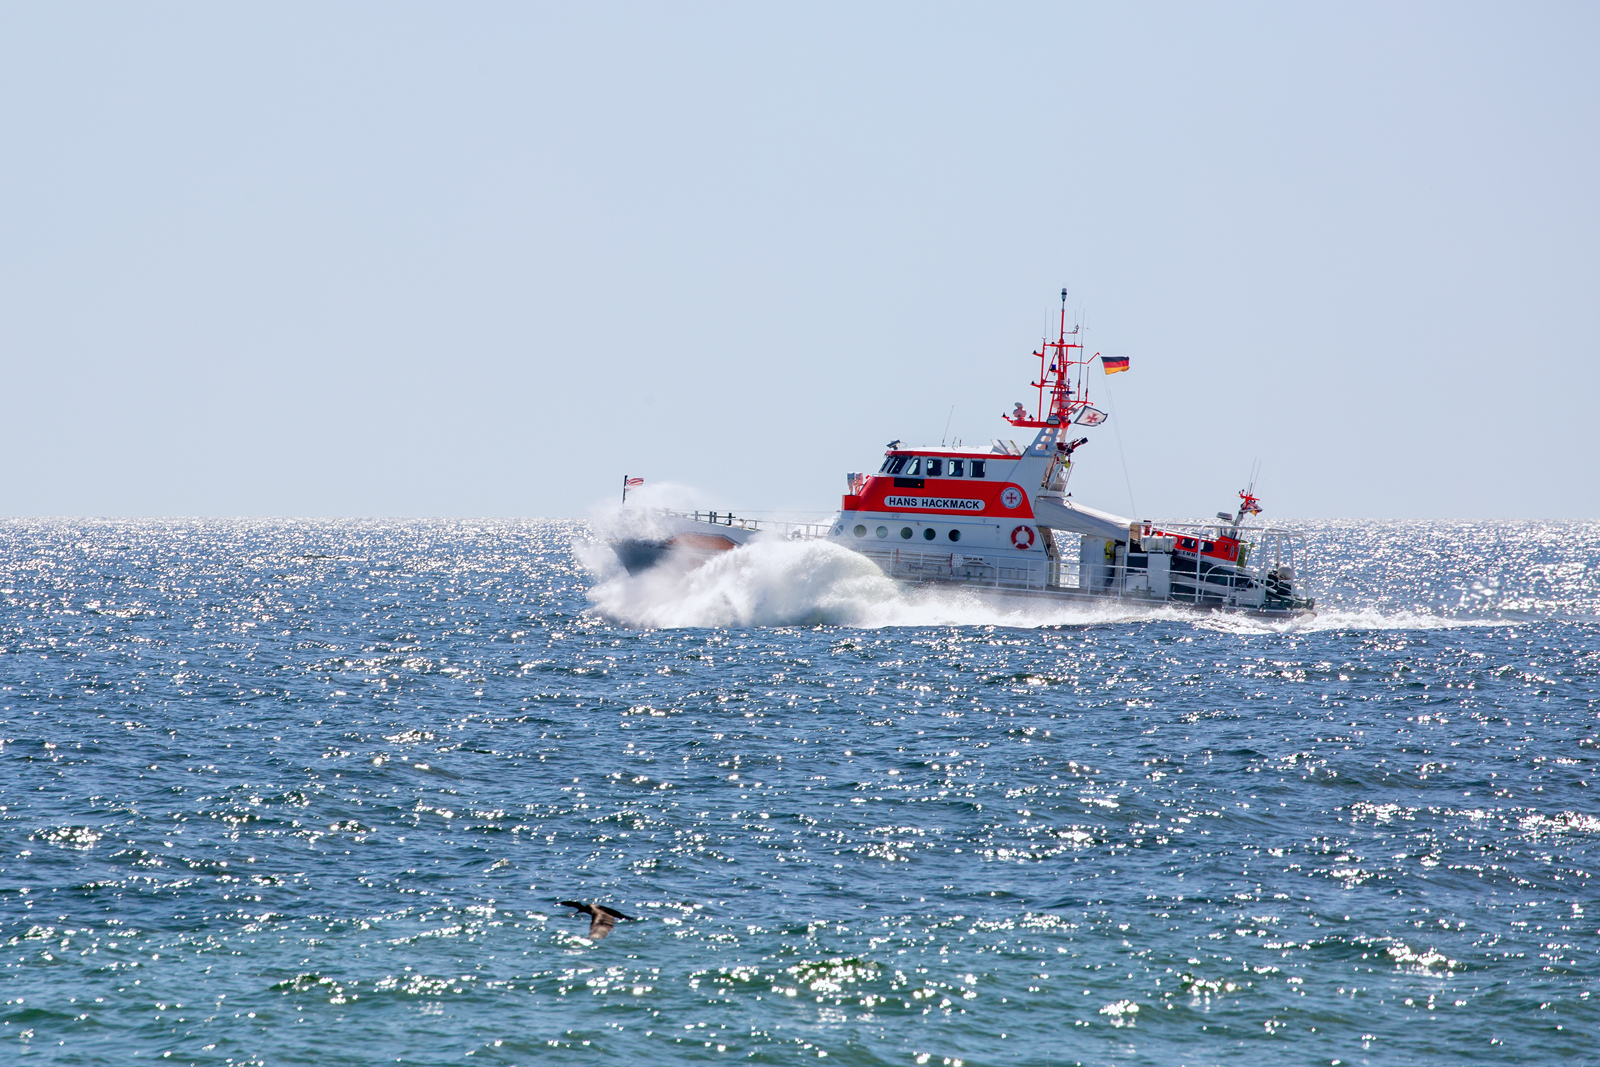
pixel 308 792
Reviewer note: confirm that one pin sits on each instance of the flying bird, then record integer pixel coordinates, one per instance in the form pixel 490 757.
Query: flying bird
pixel 601 918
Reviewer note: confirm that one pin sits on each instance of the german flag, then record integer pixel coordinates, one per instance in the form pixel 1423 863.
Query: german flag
pixel 1113 364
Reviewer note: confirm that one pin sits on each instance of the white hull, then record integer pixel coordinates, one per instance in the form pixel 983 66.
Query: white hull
pixel 1087 574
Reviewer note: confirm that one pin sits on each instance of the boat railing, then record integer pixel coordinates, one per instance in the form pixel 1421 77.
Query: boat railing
pixel 1263 548
pixel 1199 584
pixel 1262 570
pixel 1064 573
pixel 1120 579
pixel 982 569
pixel 794 531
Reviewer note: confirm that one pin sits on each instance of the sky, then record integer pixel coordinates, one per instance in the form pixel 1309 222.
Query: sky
pixel 393 259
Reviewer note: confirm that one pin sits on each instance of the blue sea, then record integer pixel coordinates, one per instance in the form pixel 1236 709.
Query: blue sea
pixel 307 792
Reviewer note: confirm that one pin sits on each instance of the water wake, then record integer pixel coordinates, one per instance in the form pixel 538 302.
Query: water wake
pixel 1337 618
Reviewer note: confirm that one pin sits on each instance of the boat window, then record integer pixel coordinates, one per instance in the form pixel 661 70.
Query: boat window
pixel 955 535
pixel 883 531
pixel 887 463
pixel 905 532
pixel 915 470
pixel 977 468
pixel 935 467
pixel 929 534
pixel 897 464
pixel 860 531
pixel 1207 546
pixel 958 468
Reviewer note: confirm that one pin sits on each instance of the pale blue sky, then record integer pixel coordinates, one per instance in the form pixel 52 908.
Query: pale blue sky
pixel 388 259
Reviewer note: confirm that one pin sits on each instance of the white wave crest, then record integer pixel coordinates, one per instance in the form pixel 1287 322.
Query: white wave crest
pixel 788 583
pixel 766 583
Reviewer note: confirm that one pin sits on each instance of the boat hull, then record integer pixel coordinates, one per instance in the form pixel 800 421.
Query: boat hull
pixel 1305 610
pixel 1071 553
pixel 638 555
pixel 1006 579
pixel 675 541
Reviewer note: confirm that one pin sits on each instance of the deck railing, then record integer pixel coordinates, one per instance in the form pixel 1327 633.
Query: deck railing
pixel 966 568
pixel 795 531
pixel 1192 576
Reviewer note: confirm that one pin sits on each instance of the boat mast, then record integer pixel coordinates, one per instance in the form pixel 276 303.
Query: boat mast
pixel 1056 362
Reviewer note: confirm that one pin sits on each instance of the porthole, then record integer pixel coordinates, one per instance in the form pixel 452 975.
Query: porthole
pixel 955 535
pixel 929 534
pixel 883 531
pixel 837 530
pixel 905 532
pixel 860 531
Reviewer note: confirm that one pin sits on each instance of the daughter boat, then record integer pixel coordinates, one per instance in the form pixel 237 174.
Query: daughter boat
pixel 1001 520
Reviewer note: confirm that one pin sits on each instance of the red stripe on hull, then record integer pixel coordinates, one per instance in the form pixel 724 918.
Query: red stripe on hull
pixel 945 497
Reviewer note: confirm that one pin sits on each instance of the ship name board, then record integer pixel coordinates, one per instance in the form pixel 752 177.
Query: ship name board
pixel 934 503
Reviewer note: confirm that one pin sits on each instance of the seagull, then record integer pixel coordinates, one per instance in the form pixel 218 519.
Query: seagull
pixel 602 918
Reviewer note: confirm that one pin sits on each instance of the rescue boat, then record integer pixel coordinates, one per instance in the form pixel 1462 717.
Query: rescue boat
pixel 1000 519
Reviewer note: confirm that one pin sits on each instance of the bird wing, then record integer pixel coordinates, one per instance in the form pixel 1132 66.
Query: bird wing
pixel 602 924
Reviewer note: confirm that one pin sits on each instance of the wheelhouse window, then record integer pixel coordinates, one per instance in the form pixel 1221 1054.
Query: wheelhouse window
pixel 887 463
pixel 935 467
pixel 895 465
pixel 958 468
pixel 977 468
pixel 915 469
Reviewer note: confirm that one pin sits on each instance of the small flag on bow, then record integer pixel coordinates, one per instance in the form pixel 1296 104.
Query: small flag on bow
pixel 1113 364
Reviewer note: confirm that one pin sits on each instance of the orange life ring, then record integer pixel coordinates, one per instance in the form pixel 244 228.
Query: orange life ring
pixel 1022 537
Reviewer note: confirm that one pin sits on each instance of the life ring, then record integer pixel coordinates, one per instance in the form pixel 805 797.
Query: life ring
pixel 1022 537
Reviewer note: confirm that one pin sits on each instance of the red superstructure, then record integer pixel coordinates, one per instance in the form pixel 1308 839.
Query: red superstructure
pixel 952 489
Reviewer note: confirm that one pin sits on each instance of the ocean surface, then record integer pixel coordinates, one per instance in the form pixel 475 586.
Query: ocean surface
pixel 288 792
